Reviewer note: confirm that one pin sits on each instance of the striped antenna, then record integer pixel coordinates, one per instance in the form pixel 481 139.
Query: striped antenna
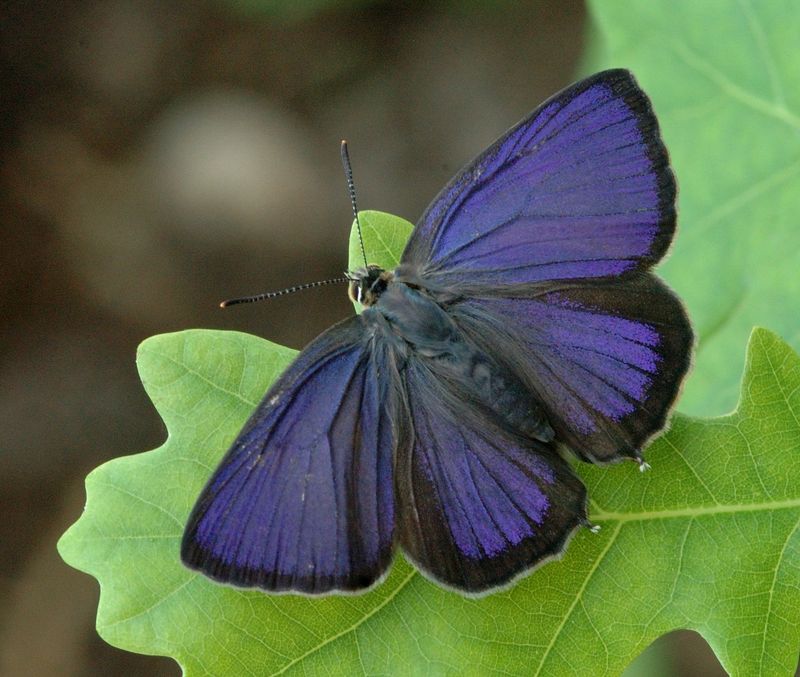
pixel 282 292
pixel 348 172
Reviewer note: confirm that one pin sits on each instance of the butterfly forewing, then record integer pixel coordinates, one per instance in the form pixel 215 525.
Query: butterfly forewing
pixel 304 499
pixel 580 189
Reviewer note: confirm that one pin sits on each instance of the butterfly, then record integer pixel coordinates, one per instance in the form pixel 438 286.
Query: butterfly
pixel 521 323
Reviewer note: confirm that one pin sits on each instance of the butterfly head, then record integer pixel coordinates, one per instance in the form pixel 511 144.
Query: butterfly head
pixel 367 284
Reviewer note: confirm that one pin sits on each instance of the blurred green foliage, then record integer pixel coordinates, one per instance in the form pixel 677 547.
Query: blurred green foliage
pixel 722 76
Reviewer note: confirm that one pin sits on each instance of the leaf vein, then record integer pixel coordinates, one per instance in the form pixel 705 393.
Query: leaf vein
pixel 734 91
pixel 577 597
pixel 351 627
pixel 719 509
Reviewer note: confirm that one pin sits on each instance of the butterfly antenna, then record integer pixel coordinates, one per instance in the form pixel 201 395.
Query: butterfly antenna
pixel 282 292
pixel 348 172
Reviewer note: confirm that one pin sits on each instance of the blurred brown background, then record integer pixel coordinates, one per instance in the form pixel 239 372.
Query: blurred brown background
pixel 156 157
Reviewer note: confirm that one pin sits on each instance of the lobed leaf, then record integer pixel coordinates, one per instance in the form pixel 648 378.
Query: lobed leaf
pixel 384 237
pixel 707 540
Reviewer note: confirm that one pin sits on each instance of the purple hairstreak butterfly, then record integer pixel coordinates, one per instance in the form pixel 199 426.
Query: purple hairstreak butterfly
pixel 521 325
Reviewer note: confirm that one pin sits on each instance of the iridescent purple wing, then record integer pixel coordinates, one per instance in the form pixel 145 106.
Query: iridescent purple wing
pixel 581 188
pixel 478 506
pixel 605 357
pixel 304 498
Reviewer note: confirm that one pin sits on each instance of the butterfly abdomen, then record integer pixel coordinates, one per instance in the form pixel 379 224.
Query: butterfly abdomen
pixel 473 375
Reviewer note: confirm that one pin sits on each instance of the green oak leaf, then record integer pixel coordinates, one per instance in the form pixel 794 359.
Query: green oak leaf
pixel 706 540
pixel 723 78
pixel 384 234
pixel 384 237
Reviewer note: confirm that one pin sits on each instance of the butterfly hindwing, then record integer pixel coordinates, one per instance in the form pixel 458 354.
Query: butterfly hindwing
pixel 605 357
pixel 581 188
pixel 304 498
pixel 479 506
